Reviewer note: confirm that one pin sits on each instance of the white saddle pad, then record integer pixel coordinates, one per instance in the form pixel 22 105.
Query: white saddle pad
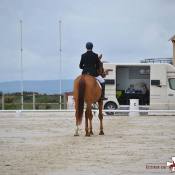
pixel 99 84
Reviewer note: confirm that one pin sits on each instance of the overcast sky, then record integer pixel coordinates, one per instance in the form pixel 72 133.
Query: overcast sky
pixel 122 30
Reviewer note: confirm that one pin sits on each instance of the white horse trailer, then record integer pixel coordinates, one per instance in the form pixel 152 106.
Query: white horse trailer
pixel 129 81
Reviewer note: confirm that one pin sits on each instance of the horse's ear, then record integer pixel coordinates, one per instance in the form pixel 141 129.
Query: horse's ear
pixel 100 56
pixel 107 71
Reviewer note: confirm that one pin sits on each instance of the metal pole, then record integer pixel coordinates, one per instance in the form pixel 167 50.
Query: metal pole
pixel 33 101
pixel 60 67
pixel 21 64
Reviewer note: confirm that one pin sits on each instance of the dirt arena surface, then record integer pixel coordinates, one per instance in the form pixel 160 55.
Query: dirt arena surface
pixel 43 144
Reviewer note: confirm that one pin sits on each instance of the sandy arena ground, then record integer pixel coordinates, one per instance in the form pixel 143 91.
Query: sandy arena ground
pixel 43 144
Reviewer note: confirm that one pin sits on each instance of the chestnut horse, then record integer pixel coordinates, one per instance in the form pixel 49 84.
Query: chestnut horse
pixel 88 90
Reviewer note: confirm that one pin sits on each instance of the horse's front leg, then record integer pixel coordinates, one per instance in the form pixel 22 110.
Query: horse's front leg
pixel 100 116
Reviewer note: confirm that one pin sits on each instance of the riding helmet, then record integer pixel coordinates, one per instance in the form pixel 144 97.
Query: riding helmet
pixel 89 45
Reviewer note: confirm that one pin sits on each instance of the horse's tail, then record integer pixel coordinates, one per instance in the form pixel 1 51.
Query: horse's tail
pixel 81 93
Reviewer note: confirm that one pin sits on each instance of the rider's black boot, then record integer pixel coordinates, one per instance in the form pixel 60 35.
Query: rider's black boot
pixel 103 92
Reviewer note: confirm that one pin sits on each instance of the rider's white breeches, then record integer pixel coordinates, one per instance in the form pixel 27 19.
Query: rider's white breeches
pixel 100 79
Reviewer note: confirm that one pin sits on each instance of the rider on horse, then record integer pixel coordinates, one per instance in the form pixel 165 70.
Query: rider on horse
pixel 90 63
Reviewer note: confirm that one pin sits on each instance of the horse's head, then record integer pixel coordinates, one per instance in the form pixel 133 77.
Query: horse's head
pixel 101 69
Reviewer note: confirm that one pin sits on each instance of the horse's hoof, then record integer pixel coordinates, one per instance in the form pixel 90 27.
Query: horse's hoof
pixel 91 133
pixel 87 135
pixel 76 135
pixel 101 133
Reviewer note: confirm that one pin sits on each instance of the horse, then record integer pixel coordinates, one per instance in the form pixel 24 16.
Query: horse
pixel 87 90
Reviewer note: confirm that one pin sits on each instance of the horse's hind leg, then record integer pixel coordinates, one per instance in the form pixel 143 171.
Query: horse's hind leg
pixel 76 129
pixel 87 116
pixel 100 116
pixel 86 124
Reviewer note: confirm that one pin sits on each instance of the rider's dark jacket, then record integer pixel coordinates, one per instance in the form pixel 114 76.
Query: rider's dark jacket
pixel 89 63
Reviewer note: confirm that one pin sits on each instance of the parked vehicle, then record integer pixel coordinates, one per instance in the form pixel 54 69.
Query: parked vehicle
pixel 152 83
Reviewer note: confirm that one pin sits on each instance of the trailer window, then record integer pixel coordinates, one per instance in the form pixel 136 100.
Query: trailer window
pixel 172 83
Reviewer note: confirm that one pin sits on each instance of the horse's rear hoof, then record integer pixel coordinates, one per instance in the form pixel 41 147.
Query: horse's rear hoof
pixel 101 133
pixel 91 133
pixel 87 135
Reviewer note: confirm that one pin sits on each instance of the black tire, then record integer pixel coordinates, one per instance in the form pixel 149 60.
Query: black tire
pixel 110 105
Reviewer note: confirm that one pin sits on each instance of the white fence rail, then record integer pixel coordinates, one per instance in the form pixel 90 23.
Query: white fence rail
pixel 94 110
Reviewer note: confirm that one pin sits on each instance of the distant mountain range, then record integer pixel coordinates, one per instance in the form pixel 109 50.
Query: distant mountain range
pixel 40 86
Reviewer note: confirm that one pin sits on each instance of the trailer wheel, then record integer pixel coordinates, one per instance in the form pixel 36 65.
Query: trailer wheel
pixel 110 106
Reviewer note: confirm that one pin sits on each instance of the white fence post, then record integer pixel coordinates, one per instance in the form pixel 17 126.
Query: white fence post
pixel 2 101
